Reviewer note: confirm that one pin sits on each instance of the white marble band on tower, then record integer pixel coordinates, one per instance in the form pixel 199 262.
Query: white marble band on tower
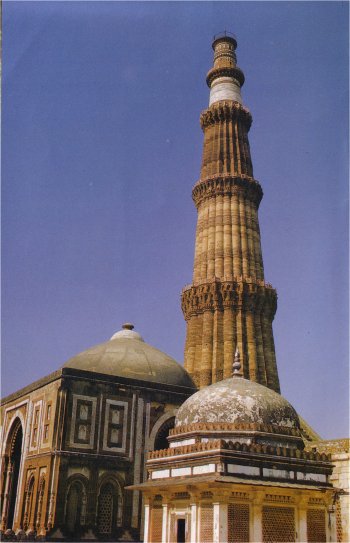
pixel 225 88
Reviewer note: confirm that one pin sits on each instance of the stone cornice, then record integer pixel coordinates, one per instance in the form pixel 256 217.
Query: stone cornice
pixel 225 110
pixel 253 448
pixel 226 71
pixel 227 185
pixel 256 297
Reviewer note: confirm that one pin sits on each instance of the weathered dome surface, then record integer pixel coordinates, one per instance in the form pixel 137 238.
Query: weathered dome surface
pixel 239 402
pixel 127 355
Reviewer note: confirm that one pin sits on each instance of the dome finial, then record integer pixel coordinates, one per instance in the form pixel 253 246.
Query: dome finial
pixel 128 326
pixel 236 366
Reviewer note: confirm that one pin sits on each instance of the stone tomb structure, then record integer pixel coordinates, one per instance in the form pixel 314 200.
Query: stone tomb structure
pixel 74 440
pixel 236 470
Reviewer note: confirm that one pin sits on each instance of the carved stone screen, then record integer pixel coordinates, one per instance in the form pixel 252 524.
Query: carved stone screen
pixel 238 523
pixel 278 524
pixel 316 525
pixel 156 524
pixel 206 524
pixel 105 509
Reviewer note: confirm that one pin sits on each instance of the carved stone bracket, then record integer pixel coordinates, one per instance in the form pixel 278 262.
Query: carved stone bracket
pixel 226 111
pixel 239 295
pixel 227 185
pixel 225 71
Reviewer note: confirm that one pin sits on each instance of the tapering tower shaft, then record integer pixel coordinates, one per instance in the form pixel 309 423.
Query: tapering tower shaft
pixel 228 305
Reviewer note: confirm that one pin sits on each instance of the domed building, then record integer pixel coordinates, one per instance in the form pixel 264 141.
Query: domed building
pixel 236 470
pixel 75 439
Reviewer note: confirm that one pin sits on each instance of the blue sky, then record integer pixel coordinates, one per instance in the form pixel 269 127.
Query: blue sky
pixel 101 148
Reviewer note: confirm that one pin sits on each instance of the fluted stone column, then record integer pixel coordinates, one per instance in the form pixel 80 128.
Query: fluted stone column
pixel 229 304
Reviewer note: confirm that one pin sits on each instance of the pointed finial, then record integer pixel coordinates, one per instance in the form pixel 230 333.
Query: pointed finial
pixel 236 366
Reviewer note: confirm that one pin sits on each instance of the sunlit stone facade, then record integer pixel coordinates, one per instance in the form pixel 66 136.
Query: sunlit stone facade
pixel 74 440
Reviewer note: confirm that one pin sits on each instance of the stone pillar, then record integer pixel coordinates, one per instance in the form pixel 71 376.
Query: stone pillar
pixel 331 528
pixel 194 523
pixel 147 512
pixel 165 524
pixel 256 519
pixel 301 527
pixel 220 522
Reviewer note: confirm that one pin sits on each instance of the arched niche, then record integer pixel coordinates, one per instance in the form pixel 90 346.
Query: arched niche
pixel 11 472
pixel 109 514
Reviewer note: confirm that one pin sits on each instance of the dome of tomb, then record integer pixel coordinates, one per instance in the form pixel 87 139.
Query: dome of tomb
pixel 237 407
pixel 127 355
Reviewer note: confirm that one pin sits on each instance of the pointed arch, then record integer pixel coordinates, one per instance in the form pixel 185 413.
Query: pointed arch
pixel 109 514
pixel 28 502
pixel 13 447
pixel 39 503
pixel 75 504
pixel 161 428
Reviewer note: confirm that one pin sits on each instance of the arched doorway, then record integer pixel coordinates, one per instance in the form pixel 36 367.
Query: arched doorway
pixel 11 475
pixel 161 441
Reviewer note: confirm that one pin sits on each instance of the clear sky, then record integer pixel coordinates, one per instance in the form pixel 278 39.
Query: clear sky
pixel 101 148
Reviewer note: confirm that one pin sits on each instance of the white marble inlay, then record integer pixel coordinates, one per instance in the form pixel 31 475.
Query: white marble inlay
pixel 225 88
pixel 160 474
pixel 317 477
pixel 181 443
pixel 176 472
pixel 281 473
pixel 246 470
pixel 207 468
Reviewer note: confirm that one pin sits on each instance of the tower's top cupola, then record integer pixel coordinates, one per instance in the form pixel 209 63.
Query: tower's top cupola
pixel 225 79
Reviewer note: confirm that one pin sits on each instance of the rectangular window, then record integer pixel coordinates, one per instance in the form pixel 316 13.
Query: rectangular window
pixel 48 412
pixel 82 430
pixel 83 422
pixel 36 416
pixel 35 428
pixel 115 426
pixel 46 432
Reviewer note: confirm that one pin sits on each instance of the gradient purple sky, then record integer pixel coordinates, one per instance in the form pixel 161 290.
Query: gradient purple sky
pixel 101 148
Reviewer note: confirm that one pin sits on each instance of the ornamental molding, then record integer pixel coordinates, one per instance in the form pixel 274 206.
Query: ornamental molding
pixel 227 185
pixel 225 110
pixel 252 297
pixel 225 71
pixel 233 427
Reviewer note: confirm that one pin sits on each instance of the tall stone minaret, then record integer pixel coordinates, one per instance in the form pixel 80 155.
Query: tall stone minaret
pixel 228 305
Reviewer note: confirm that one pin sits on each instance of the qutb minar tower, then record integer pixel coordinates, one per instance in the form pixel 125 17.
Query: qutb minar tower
pixel 228 306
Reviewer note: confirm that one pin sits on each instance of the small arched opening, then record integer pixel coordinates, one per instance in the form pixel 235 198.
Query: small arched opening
pixel 161 439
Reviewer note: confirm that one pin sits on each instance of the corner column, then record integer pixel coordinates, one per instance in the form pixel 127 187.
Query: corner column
pixel 256 522
pixel 165 523
pixel 220 522
pixel 147 511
